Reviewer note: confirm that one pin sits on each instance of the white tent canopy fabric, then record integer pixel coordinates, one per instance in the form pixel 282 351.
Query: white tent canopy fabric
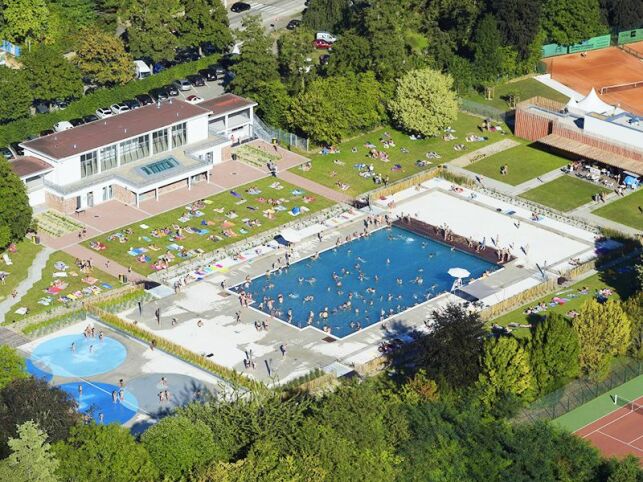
pixel 590 103
pixel 459 273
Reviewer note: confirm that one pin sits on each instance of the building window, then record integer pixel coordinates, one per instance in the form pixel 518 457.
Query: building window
pixel 108 158
pixel 159 141
pixel 88 164
pixel 134 149
pixel 179 135
pixel 107 193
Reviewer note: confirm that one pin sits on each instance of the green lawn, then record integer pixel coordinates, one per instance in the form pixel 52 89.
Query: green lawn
pixel 26 251
pixel 35 298
pixel 226 218
pixel 525 88
pixel 332 169
pixel 628 211
pixel 524 162
pixel 621 282
pixel 564 193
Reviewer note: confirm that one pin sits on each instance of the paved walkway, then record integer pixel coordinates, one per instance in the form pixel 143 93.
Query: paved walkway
pixel 34 274
pixel 11 338
pixel 538 181
pixel 101 262
pixel 485 151
pixel 315 187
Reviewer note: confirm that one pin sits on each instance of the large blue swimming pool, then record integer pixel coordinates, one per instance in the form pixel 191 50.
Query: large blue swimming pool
pixel 362 282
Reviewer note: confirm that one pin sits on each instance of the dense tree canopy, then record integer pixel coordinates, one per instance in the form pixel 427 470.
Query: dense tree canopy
pixel 31 459
pixel 15 94
pixel 151 26
pixel 103 59
pixel 329 15
pixel 205 21
pixel 50 75
pixel 16 215
pixel 572 21
pixel 12 366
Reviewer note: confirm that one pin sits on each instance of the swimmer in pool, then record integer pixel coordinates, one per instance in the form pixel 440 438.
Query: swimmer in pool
pixel 376 278
pixel 311 280
pixel 388 261
pixel 309 298
pixel 300 279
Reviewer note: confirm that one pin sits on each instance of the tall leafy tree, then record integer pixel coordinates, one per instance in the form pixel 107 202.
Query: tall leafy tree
pixel 488 54
pixel 15 94
pixel 424 102
pixel 553 353
pixel 31 459
pixel 330 15
pixel 351 53
pixel 25 21
pixel 633 307
pixel 151 27
pixel 623 14
pixel 12 366
pixel 273 102
pixel 572 21
pixel 518 22
pixel 505 371
pixel 103 453
pixel 102 57
pixel 50 75
pixel 16 215
pixel 294 57
pixel 205 21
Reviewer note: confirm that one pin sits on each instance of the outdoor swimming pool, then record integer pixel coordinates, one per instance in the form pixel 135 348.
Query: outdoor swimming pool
pixel 363 281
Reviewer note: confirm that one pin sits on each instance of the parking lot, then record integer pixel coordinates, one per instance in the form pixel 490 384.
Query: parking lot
pixel 209 91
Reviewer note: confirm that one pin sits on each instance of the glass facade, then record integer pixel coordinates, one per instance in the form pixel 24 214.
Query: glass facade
pixel 179 135
pixel 108 158
pixel 135 149
pixel 159 141
pixel 88 164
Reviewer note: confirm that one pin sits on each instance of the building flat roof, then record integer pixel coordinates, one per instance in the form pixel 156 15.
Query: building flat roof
pixel 113 129
pixel 226 103
pixel 26 166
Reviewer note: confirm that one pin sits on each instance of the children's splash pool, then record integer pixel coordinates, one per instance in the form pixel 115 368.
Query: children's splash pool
pixel 362 282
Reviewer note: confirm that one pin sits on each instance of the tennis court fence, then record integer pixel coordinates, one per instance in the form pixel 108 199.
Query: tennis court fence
pixel 579 392
pixel 621 87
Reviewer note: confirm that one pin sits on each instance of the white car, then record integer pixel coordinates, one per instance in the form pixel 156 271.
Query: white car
pixel 62 126
pixel 182 84
pixel 104 112
pixel 119 108
pixel 194 99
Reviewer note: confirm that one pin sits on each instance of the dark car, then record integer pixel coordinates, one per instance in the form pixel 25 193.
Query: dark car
pixel 46 132
pixel 90 118
pixel 208 74
pixel 208 48
pixel 323 60
pixel 196 80
pixel 170 90
pixel 187 54
pixel 6 153
pixel 293 24
pixel 76 122
pixel 159 94
pixel 239 7
pixel 162 65
pixel 41 107
pixel 15 147
pixel 131 103
pixel 144 99
pixel 61 104
pixel 228 60
pixel 218 69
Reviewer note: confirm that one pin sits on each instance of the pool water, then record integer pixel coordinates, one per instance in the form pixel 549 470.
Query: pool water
pixel 410 269
pixel 96 399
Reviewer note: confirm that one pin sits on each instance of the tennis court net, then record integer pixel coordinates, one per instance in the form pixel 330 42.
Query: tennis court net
pixel 629 405
pixel 620 87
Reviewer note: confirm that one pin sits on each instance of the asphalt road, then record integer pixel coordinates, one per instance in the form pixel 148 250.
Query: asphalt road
pixel 276 12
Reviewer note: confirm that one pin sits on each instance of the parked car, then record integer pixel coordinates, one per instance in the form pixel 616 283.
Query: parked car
pixel 6 153
pixel 15 147
pixel 119 108
pixel 208 74
pixel 77 122
pixel 208 48
pixel 159 94
pixel 61 104
pixel 187 54
pixel 171 90
pixel 227 61
pixel 239 7
pixel 293 24
pixel 46 132
pixel 41 107
pixel 91 90
pixel 322 44
pixel 182 84
pixel 131 104
pixel 90 118
pixel 104 112
pixel 196 80
pixel 162 65
pixel 194 99
pixel 142 69
pixel 63 126
pixel 218 69
pixel 144 99
pixel 328 37
pixel 323 60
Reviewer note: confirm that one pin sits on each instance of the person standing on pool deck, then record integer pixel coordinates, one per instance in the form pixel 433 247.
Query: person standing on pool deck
pixel 80 390
pixel 140 308
pixel 73 347
pixel 157 313
pixel 282 348
pixel 101 417
pixel 114 396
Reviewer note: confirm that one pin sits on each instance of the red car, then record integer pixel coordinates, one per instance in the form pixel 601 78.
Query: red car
pixel 322 44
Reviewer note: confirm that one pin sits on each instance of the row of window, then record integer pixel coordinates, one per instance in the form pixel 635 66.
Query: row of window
pixel 132 150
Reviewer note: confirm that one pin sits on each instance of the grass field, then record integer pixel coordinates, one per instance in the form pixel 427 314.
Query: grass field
pixel 524 88
pixel 622 284
pixel 600 406
pixel 331 169
pixel 21 259
pixel 225 219
pixel 524 162
pixel 564 193
pixel 628 211
pixel 74 281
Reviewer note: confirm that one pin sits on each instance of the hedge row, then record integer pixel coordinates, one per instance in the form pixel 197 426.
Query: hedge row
pixel 52 324
pixel 19 130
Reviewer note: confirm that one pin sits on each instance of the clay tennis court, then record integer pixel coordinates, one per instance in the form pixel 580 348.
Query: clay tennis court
pixel 619 433
pixel 601 68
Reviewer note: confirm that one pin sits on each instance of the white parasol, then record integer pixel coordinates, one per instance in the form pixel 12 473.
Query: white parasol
pixel 459 273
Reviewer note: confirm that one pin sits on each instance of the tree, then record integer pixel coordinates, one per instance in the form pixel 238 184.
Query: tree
pixel 50 75
pixel 31 459
pixel 256 64
pixel 103 453
pixel 25 21
pixel 518 22
pixel 178 446
pixel 488 54
pixel 101 57
pixel 329 15
pixel 452 349
pixel 424 102
pixel 351 53
pixel 624 14
pixel 15 94
pixel 625 470
pixel 505 371
pixel 205 21
pixel 462 73
pixel 603 330
pixel 633 306
pixel 12 366
pixel 294 58
pixel 32 399
pixel 16 215
pixel 572 21
pixel 553 353
pixel 151 26
pixel 273 102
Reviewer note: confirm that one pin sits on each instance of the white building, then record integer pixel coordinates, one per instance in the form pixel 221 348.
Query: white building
pixel 133 156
